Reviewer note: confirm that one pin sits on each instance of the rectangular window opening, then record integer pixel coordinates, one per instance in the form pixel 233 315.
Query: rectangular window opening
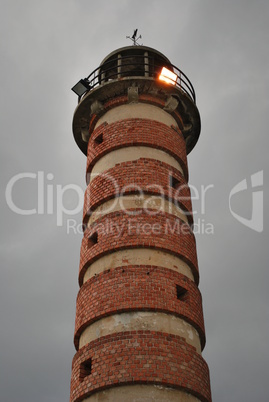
pixel 85 369
pixel 181 293
pixel 99 139
pixel 174 182
pixel 93 239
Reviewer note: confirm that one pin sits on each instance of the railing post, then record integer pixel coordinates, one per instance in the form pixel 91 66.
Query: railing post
pixel 146 64
pixel 103 76
pixel 119 66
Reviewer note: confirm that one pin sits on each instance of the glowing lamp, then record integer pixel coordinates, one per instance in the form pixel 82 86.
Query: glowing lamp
pixel 168 76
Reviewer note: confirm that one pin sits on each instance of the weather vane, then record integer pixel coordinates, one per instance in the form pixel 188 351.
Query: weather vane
pixel 134 38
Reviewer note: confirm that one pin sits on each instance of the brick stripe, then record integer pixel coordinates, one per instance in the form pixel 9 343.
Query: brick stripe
pixel 118 231
pixel 138 288
pixel 146 175
pixel 137 132
pixel 140 357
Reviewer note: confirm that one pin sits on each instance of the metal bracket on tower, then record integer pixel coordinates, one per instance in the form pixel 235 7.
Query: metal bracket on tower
pixel 186 129
pixel 187 133
pixel 96 107
pixel 133 94
pixel 171 104
pixel 84 125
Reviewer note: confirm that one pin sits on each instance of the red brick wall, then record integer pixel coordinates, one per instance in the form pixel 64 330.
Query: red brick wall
pixel 140 357
pixel 146 175
pixel 137 132
pixel 162 232
pixel 138 288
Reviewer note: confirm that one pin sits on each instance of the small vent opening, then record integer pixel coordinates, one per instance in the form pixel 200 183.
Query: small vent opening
pixel 175 183
pixel 181 293
pixel 99 139
pixel 85 369
pixel 93 239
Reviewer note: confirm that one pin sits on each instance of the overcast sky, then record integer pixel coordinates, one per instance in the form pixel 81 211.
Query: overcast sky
pixel 46 47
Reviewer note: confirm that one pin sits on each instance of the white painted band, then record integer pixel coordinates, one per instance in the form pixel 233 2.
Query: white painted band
pixel 138 256
pixel 141 393
pixel 129 154
pixel 150 204
pixel 141 321
pixel 137 111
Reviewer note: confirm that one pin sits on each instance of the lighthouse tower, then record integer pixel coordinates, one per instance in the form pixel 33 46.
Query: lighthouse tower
pixel 139 328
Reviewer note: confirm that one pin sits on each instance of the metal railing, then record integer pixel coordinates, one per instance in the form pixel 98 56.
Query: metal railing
pixel 137 65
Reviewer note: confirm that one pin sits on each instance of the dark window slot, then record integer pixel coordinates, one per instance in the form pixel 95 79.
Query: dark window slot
pixel 174 182
pixel 99 139
pixel 85 369
pixel 93 239
pixel 181 293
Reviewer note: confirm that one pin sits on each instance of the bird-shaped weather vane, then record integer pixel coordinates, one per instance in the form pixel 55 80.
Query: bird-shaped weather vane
pixel 134 38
